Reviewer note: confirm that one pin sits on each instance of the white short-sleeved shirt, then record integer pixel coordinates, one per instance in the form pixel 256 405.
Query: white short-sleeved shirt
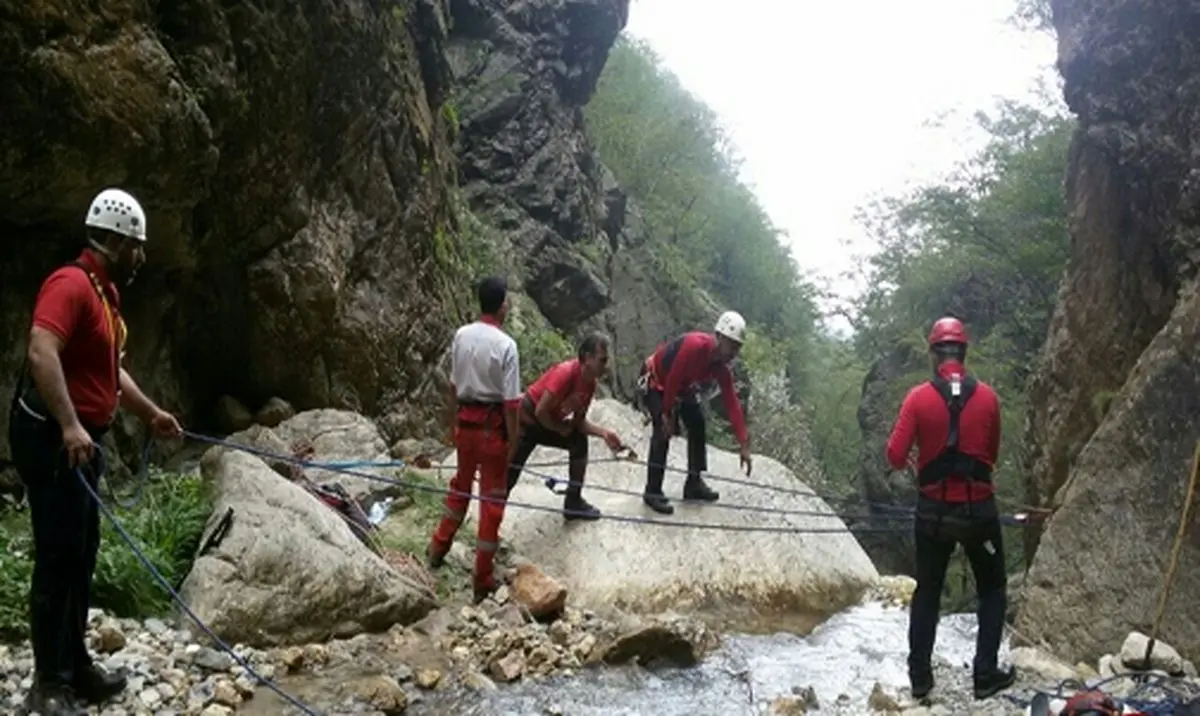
pixel 484 364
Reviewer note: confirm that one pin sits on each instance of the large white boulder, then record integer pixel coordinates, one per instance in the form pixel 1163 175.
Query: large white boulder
pixel 611 564
pixel 289 569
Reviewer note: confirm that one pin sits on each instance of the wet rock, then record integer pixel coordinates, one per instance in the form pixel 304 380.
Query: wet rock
pixel 428 678
pixel 382 693
pixel 541 594
pixel 508 667
pixel 679 640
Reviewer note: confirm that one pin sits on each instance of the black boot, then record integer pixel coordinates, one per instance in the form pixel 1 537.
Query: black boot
pixel 922 683
pixel 50 699
pixel 95 685
pixel 696 489
pixel 659 503
pixel 993 682
pixel 577 508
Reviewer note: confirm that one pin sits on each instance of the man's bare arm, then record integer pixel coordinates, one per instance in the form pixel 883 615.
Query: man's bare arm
pixel 45 367
pixel 545 414
pixel 134 400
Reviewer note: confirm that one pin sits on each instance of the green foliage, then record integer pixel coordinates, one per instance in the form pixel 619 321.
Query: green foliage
pixel 707 228
pixel 166 525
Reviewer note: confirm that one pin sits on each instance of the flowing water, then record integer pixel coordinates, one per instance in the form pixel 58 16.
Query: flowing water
pixel 841 661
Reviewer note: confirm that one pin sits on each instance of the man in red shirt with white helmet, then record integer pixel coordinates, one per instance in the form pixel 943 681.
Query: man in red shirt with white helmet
pixel 955 421
pixel 67 397
pixel 671 378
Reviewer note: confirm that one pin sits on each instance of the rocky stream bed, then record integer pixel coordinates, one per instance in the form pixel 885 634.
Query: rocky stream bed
pixel 496 658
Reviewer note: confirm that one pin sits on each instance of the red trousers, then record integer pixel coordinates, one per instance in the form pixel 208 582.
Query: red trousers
pixel 482 450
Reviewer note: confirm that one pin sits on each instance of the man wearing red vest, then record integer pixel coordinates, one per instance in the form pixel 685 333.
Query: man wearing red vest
pixel 955 421
pixel 485 392
pixel 671 379
pixel 65 402
pixel 554 412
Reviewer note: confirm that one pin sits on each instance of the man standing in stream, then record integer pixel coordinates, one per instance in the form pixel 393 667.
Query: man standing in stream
pixel 955 421
pixel 670 379
pixel 554 412
pixel 64 403
pixel 485 392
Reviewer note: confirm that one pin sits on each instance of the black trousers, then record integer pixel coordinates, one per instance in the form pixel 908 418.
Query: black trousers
pixel 66 538
pixel 688 410
pixel 977 528
pixel 576 445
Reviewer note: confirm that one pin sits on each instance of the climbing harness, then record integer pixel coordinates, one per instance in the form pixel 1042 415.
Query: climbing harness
pixel 956 393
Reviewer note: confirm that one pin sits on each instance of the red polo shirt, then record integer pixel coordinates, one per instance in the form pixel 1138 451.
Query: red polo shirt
pixel 565 382
pixel 925 419
pixel 69 306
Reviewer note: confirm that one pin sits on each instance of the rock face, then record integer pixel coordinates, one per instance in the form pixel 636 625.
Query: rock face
pixel 1116 395
pixel 293 162
pixel 289 570
pixel 548 209
pixel 649 568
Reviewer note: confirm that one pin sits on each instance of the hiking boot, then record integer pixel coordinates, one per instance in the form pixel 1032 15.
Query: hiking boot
pixel 482 593
pixel 696 489
pixel 659 503
pixel 993 682
pixel 434 558
pixel 579 509
pixel 95 685
pixel 922 684
pixel 47 699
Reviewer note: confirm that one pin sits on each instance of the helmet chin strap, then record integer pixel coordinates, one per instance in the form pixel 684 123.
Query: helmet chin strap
pixel 102 250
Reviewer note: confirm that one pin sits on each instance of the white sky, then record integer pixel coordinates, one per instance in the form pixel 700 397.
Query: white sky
pixel 831 103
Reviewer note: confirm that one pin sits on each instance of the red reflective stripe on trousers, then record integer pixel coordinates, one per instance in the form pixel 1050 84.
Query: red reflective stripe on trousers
pixel 484 452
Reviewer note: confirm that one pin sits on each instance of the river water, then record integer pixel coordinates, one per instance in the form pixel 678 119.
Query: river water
pixel 841 661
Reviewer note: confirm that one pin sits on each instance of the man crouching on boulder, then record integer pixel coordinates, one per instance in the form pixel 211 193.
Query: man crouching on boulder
pixel 955 420
pixel 670 378
pixel 554 413
pixel 485 392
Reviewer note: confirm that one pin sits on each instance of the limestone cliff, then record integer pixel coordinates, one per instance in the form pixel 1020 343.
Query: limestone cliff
pixel 293 161
pixel 1113 422
pixel 550 212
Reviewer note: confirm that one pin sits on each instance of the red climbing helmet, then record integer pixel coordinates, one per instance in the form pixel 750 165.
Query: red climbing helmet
pixel 947 330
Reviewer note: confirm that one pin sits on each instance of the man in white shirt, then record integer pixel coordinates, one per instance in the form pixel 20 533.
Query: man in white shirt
pixel 485 395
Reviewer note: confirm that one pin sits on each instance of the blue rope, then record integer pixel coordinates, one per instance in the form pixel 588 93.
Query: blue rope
pixel 291 459
pixel 162 581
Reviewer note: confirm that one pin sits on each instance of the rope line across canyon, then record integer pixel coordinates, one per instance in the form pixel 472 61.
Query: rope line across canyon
pixel 632 519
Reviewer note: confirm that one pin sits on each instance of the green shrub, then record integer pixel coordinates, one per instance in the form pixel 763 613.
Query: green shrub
pixel 166 525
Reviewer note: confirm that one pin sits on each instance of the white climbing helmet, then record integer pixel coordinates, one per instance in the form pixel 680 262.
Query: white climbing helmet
pixel 732 326
pixel 117 211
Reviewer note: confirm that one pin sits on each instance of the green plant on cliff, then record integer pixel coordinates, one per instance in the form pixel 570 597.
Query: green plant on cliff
pixel 166 524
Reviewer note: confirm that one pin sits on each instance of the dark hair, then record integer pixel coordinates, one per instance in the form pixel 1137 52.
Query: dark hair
pixel 591 343
pixel 492 292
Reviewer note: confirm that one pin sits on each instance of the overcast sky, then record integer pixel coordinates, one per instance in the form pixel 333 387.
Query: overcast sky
pixel 831 103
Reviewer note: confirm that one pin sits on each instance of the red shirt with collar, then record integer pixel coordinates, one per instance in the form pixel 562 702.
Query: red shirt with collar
pixel 925 419
pixel 571 393
pixel 69 306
